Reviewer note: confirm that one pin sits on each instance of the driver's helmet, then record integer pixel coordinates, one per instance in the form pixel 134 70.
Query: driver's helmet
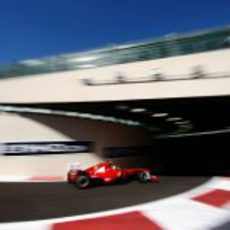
pixel 112 165
pixel 110 162
pixel 115 167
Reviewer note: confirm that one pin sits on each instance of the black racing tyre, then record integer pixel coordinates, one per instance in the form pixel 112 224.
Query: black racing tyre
pixel 143 177
pixel 82 182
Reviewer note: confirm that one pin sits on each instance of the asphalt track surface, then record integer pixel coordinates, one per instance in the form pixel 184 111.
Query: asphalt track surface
pixel 33 201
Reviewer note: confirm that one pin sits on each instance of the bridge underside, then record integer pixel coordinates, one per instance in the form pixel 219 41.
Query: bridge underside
pixel 164 116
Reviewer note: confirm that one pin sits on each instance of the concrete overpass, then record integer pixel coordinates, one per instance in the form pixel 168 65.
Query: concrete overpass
pixel 139 81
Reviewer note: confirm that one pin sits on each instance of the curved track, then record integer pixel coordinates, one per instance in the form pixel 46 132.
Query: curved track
pixel 31 201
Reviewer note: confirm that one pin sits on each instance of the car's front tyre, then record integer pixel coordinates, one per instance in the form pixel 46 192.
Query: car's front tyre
pixel 143 177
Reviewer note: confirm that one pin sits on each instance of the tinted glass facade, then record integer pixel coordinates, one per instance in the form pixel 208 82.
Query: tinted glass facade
pixel 167 46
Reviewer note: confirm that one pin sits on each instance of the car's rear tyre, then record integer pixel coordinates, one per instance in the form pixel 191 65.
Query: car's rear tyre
pixel 68 179
pixel 82 182
pixel 143 177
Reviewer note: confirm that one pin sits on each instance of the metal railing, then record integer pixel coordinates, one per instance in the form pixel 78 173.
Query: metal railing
pixel 196 74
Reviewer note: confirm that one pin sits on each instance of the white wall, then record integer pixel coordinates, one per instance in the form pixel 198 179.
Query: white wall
pixel 16 128
pixel 68 87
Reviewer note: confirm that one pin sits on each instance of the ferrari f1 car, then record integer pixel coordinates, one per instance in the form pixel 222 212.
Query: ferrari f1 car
pixel 108 173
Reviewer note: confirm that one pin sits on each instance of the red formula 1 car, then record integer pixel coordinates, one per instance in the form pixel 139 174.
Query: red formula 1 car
pixel 108 173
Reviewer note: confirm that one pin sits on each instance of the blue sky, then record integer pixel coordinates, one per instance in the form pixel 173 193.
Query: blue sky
pixel 39 28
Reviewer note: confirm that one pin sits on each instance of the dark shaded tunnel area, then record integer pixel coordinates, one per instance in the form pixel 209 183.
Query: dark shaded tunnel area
pixel 193 155
pixel 205 155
